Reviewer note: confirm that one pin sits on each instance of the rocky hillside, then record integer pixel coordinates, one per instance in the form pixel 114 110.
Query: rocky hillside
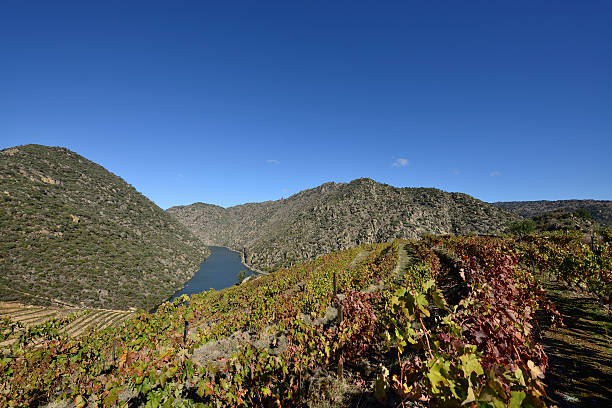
pixel 600 210
pixel 73 233
pixel 337 216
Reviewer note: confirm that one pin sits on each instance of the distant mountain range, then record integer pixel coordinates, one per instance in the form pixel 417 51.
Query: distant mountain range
pixel 337 216
pixel 600 210
pixel 72 232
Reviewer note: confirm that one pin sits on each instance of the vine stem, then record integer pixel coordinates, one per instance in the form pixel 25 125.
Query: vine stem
pixel 426 338
pixel 402 403
pixel 399 361
pixel 518 355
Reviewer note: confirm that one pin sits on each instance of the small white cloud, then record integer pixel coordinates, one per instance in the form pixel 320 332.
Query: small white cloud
pixel 180 176
pixel 272 161
pixel 455 172
pixel 401 162
pixel 495 173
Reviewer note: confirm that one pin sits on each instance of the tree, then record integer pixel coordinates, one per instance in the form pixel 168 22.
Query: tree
pixel 522 228
pixel 583 213
pixel 242 275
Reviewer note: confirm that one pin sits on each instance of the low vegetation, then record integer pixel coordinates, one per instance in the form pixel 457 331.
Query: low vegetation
pixel 445 321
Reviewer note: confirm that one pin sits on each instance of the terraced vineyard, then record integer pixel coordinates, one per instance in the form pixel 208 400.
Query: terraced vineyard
pixel 444 322
pixel 76 321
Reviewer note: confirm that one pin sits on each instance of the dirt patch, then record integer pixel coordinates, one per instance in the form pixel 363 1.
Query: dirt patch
pixel 361 256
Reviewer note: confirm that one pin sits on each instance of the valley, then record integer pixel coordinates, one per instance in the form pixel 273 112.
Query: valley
pixel 312 204
pixel 371 295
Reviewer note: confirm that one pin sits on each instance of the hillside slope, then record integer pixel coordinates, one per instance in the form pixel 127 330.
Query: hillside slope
pixel 73 232
pixel 600 210
pixel 440 322
pixel 337 216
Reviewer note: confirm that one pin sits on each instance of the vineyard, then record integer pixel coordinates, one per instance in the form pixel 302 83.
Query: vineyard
pixel 76 321
pixel 444 321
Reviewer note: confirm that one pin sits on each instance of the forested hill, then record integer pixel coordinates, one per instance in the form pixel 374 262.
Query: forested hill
pixel 73 232
pixel 599 210
pixel 337 216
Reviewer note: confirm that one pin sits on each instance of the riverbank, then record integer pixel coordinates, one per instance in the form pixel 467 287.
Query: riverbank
pixel 243 261
pixel 220 270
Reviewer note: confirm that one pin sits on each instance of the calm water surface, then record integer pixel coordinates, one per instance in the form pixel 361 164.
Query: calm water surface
pixel 219 271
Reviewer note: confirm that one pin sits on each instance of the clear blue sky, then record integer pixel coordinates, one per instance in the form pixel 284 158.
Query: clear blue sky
pixel 231 102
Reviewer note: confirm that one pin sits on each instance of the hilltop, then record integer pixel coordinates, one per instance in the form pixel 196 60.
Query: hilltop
pixel 600 210
pixel 336 216
pixel 73 233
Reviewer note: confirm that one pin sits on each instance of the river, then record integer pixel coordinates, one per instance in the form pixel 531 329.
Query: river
pixel 219 271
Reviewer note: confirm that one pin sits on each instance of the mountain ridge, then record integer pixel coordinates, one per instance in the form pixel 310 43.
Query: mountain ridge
pixel 335 216
pixel 600 210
